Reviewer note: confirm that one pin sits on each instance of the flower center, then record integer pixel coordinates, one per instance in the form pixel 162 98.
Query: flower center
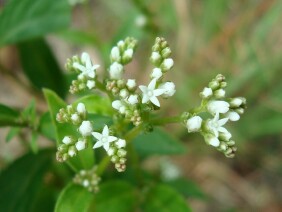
pixel 150 93
pixel 104 139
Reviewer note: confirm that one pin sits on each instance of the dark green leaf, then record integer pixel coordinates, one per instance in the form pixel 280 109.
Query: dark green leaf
pixel 99 121
pixel 41 67
pixel 74 198
pixel 21 181
pixel 164 198
pixel 26 19
pixel 85 158
pixel 187 188
pixel 12 133
pixel 157 142
pixel 8 116
pixel 115 196
pixel 46 127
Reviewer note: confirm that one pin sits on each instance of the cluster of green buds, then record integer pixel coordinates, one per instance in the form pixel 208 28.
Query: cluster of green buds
pixel 222 110
pixel 85 70
pixel 70 115
pixel 88 179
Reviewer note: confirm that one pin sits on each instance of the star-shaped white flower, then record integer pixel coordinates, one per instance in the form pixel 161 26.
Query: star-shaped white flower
pixel 216 125
pixel 88 69
pixel 103 139
pixel 150 93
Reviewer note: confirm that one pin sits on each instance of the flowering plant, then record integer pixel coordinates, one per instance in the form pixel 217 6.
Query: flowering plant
pixel 117 118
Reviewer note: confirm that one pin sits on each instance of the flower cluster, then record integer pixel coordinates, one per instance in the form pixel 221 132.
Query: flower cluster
pixel 88 179
pixel 223 110
pixel 85 70
pixel 132 104
pixel 115 147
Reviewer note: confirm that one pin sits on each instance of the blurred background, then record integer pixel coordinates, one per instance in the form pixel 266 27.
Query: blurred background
pixel 240 39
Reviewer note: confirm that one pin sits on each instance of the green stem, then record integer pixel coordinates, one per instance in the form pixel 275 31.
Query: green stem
pixel 167 120
pixel 101 86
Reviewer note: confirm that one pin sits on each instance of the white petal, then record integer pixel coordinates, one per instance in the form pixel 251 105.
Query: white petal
pixel 158 92
pixel 214 142
pixel 97 144
pixel 222 122
pixel 79 67
pixel 155 101
pixel 152 84
pixel 145 98
pixel 105 131
pixel 223 130
pixel 106 146
pixel 143 88
pixel 111 139
pixel 97 135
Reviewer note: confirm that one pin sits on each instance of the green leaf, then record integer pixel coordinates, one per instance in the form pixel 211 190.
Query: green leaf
pixel 29 113
pixel 21 181
pixel 46 126
pixel 157 142
pixel 12 133
pixel 164 198
pixel 26 19
pixel 74 198
pixel 96 104
pixel 8 116
pixel 115 196
pixel 187 188
pixel 99 121
pixel 85 158
pixel 33 142
pixel 41 67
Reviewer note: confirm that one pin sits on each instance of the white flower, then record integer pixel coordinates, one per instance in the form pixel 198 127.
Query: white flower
pixel 120 143
pixel 155 56
pixel 85 183
pixel 116 71
pixel 80 108
pixel 90 84
pixel 128 53
pixel 115 54
pixel 217 107
pixel 75 117
pixel 169 89
pixel 168 63
pixel 207 92
pixel 85 128
pixel 131 83
pixel 194 124
pixel 88 70
pixel 233 116
pixel 122 109
pixel 111 151
pixel 104 139
pixel 220 93
pixel 215 125
pixel 157 73
pixel 80 144
pixel 212 140
pixel 123 93
pixel 120 44
pixel 225 136
pixel 67 140
pixel 150 93
pixel 140 20
pixel 236 102
pixel 72 152
pixel 117 104
pixel 133 99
